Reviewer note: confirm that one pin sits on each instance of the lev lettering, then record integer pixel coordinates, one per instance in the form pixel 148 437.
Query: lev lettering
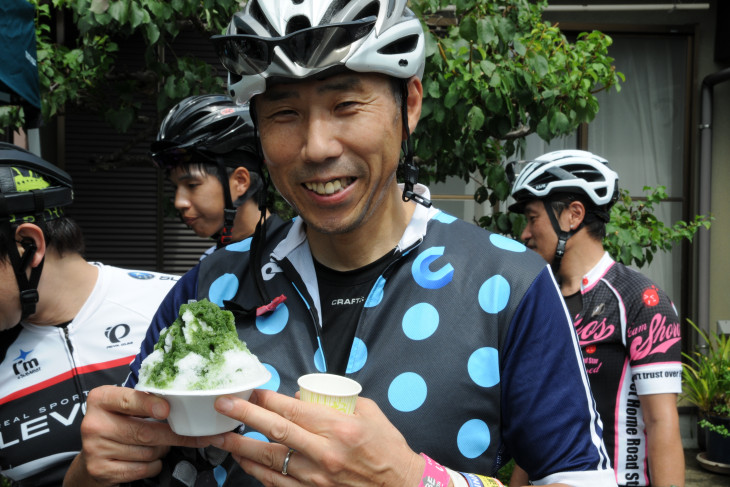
pixel 660 338
pixel 40 426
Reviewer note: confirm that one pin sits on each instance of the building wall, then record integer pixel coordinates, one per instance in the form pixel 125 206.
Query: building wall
pixel 705 24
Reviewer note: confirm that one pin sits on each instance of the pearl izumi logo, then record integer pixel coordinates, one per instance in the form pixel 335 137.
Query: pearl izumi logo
pixel 116 335
pixel 23 365
pixel 141 275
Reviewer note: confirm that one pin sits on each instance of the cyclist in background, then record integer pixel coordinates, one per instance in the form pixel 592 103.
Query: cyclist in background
pixel 628 328
pixel 208 148
pixel 66 325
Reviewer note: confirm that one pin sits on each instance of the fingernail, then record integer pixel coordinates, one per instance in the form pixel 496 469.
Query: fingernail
pixel 216 441
pixel 223 404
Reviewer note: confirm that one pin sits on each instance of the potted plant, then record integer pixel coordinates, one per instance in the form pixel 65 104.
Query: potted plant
pixel 706 384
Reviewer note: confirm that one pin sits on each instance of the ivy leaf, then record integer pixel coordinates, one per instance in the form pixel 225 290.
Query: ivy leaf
pixel 468 29
pixel 475 118
pixel 119 10
pixel 99 6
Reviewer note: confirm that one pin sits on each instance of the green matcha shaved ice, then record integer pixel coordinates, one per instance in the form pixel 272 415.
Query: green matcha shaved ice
pixel 200 351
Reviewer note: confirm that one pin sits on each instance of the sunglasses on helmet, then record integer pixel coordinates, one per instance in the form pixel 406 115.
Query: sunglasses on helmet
pixel 313 47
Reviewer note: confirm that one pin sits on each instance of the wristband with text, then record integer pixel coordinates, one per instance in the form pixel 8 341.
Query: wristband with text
pixel 434 475
pixel 481 481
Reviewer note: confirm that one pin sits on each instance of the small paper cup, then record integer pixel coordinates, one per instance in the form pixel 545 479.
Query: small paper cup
pixel 192 413
pixel 331 390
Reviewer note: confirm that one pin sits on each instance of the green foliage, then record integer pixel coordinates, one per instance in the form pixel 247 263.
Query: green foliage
pixel 634 233
pixel 494 75
pixel 505 473
pixel 88 74
pixel 706 376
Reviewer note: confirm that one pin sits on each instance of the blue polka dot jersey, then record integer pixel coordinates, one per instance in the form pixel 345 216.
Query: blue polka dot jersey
pixel 464 343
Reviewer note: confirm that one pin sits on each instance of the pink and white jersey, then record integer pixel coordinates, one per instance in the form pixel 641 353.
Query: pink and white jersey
pixel 629 333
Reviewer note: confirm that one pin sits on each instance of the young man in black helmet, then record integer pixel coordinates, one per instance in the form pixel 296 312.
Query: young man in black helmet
pixel 441 322
pixel 66 325
pixel 627 327
pixel 208 149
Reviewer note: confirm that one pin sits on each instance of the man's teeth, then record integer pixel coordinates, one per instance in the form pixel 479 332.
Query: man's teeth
pixel 330 187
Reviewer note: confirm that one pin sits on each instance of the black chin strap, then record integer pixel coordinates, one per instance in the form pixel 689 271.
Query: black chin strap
pixel 410 170
pixel 225 236
pixel 563 236
pixel 27 286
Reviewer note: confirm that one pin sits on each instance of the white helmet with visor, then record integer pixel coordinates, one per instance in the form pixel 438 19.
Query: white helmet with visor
pixel 302 38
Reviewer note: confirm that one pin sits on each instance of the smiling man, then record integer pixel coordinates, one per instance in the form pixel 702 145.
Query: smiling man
pixel 444 324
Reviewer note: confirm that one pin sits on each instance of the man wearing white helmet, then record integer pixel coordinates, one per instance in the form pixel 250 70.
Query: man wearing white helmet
pixel 442 323
pixel 627 327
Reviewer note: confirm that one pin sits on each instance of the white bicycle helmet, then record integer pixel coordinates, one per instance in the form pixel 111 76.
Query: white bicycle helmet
pixel 566 171
pixel 302 38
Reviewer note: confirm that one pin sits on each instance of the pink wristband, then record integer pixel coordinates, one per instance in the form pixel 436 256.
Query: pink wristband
pixel 434 475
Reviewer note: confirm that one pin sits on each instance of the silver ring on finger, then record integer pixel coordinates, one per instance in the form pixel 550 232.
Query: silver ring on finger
pixel 286 462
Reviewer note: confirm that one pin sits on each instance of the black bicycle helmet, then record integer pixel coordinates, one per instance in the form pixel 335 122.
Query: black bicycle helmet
pixel 31 191
pixel 572 172
pixel 212 129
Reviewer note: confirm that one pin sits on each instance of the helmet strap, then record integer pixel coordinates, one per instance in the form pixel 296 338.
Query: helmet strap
pixel 27 287
pixel 563 236
pixel 225 236
pixel 410 170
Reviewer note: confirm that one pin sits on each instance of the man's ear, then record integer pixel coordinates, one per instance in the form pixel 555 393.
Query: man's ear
pixel 239 181
pixel 28 237
pixel 577 212
pixel 415 99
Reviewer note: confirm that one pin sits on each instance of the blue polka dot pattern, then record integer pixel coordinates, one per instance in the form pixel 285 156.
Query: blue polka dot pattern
pixel 473 438
pixel 223 288
pixel 407 392
pixel 274 322
pixel 420 321
pixel 494 294
pixel 376 294
pixel 275 381
pixel 242 246
pixel 506 243
pixel 427 278
pixel 483 367
pixel 358 356
pixel 220 475
pixel 319 360
pixel 444 217
pixel 256 436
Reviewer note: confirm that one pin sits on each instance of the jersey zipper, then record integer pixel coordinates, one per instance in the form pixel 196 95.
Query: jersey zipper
pixel 74 370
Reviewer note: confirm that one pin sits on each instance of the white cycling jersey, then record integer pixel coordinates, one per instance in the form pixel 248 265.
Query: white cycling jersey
pixel 48 371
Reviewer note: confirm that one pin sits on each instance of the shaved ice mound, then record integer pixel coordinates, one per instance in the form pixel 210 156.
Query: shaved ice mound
pixel 200 351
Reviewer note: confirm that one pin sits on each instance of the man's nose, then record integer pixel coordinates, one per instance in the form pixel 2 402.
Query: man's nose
pixel 322 140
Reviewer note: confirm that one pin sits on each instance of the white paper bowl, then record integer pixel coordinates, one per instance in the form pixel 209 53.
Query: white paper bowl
pixel 192 412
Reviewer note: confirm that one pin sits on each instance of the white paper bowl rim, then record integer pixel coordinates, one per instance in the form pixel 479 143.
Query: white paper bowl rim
pixel 254 383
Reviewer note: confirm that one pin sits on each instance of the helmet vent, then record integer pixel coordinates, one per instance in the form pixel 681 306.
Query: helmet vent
pixel 258 14
pixel 370 10
pixel 401 46
pixel 297 23
pixel 335 7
